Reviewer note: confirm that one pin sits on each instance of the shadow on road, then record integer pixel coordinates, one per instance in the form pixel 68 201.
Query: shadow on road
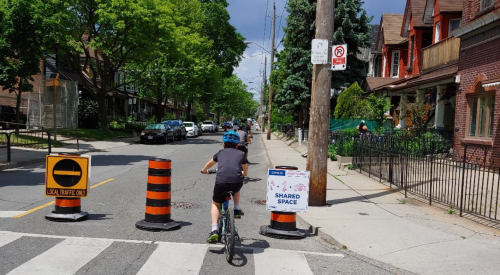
pixel 98 217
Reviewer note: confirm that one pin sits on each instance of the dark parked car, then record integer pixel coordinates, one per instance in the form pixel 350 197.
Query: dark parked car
pixel 8 115
pixel 178 128
pixel 157 133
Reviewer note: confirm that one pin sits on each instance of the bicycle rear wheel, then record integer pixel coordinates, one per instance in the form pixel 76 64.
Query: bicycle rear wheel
pixel 230 235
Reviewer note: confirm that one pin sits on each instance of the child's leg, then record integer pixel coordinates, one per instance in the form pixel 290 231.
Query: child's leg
pixel 215 212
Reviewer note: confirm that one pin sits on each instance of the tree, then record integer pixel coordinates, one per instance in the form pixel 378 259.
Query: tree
pixel 378 107
pixel 226 50
pixel 103 37
pixel 292 78
pixel 24 31
pixel 351 104
pixel 234 100
pixel 355 32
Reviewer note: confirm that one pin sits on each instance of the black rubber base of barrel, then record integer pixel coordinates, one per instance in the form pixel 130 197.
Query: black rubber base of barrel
pixel 156 226
pixel 73 217
pixel 281 234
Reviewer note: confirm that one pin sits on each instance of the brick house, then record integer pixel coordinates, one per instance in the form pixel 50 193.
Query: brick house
pixel 428 62
pixel 478 98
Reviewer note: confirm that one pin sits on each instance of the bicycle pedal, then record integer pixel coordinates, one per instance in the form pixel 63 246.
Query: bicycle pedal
pixel 237 217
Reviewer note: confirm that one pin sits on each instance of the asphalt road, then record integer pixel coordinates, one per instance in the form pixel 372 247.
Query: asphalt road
pixel 109 243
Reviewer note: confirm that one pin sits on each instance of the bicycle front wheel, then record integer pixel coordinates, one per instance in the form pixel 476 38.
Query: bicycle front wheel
pixel 230 235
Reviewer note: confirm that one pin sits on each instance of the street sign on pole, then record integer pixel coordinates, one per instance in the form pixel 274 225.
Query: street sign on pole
pixel 287 190
pixel 339 57
pixel 319 51
pixel 67 176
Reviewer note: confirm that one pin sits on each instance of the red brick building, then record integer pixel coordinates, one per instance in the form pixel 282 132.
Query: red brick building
pixel 478 98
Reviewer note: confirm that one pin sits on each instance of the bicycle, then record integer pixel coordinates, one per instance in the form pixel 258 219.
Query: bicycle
pixel 227 229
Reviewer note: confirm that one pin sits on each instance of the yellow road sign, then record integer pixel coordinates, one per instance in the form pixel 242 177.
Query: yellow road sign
pixel 67 176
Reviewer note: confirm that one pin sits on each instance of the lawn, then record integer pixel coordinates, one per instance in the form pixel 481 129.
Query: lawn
pixel 94 134
pixel 28 140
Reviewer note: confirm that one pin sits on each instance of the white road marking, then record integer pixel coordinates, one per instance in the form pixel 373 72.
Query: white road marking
pixel 269 262
pixel 73 238
pixel 10 214
pixel 65 258
pixel 178 259
pixel 7 238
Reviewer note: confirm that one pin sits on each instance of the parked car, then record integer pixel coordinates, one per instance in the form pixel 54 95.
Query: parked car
pixel 157 133
pixel 208 126
pixel 192 129
pixel 178 128
pixel 8 116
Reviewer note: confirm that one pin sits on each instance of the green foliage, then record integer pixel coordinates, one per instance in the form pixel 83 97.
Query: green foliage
pixel 168 116
pixel 378 107
pixel 234 99
pixel 343 142
pixel 417 112
pixel 332 152
pixel 351 166
pixel 200 115
pixel 153 119
pixel 293 77
pixel 351 28
pixel 351 104
pixel 88 114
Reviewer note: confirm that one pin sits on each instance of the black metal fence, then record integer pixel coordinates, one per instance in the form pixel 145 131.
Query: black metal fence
pixel 426 168
pixel 290 131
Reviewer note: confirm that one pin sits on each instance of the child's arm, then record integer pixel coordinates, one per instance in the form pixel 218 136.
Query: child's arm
pixel 209 165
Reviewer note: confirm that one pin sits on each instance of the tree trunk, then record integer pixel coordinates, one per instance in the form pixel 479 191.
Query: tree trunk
pixel 159 107
pixel 206 109
pixel 18 107
pixel 101 100
pixel 317 150
pixel 188 111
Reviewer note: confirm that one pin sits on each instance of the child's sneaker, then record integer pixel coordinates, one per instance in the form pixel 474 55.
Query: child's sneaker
pixel 213 237
pixel 238 213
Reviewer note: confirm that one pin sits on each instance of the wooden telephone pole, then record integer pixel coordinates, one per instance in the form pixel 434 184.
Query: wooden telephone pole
pixel 269 111
pixel 319 123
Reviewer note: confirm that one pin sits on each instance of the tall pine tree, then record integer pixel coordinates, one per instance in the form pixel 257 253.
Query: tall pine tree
pixel 293 77
pixel 355 32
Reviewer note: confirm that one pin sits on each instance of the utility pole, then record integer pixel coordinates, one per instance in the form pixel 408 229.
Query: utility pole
pixel 262 95
pixel 271 84
pixel 320 110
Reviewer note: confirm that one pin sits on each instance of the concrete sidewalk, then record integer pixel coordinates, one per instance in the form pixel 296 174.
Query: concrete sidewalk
pixel 22 156
pixel 369 218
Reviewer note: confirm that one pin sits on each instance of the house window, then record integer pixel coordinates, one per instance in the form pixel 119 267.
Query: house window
pixel 481 116
pixel 486 4
pixel 395 64
pixel 437 32
pixel 454 24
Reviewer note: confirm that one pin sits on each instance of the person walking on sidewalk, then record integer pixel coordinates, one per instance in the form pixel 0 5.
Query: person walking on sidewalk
pixel 362 128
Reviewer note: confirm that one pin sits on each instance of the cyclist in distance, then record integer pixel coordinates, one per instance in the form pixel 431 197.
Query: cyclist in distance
pixel 232 167
pixel 244 141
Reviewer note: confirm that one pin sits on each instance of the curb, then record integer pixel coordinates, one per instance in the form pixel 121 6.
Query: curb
pixel 314 230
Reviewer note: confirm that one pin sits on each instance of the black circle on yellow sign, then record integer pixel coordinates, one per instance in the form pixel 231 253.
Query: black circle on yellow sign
pixel 67 173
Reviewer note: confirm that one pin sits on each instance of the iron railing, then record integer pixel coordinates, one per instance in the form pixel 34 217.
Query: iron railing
pixel 424 169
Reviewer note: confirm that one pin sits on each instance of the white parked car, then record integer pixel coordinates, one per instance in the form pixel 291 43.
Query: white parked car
pixel 191 129
pixel 208 126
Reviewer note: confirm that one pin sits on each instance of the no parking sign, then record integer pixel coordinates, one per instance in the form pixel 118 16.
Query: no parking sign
pixel 339 57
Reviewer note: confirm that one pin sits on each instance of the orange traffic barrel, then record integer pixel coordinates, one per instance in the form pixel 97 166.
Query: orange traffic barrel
pixel 67 209
pixel 158 197
pixel 283 224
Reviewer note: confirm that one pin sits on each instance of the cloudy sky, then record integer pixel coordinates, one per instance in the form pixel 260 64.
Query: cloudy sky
pixel 249 17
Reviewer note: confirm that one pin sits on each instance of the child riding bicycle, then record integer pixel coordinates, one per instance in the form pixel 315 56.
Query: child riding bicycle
pixel 232 167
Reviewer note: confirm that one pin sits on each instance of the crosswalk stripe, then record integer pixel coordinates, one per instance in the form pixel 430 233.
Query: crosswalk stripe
pixel 175 258
pixel 10 214
pixel 65 258
pixel 8 238
pixel 279 262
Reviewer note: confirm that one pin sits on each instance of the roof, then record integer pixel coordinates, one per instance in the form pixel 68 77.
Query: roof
pixel 390 25
pixel 445 6
pixel 425 78
pixel 415 9
pixel 376 82
pixel 450 5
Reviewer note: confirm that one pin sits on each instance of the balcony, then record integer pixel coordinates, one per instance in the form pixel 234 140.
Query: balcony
pixel 442 53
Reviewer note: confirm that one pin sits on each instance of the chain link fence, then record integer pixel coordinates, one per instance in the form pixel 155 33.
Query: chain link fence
pixel 59 96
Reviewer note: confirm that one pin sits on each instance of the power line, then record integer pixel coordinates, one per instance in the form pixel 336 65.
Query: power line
pixel 279 28
pixel 264 36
